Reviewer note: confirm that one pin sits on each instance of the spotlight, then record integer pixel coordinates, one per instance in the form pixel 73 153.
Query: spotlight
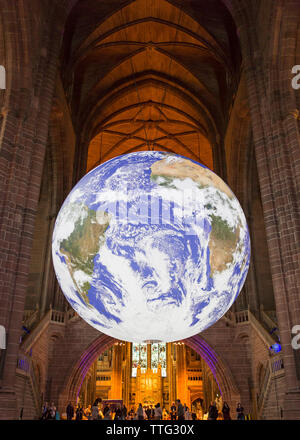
pixel 276 348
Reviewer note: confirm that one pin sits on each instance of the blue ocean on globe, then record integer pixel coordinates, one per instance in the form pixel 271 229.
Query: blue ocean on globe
pixel 151 246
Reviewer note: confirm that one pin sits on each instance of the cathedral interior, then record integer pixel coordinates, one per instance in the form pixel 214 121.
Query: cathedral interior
pixel 147 374
pixel 89 80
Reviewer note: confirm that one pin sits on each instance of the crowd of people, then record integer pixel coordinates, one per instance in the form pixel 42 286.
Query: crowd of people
pixel 99 411
pixel 215 414
pixel 50 412
pixel 105 411
pixel 150 412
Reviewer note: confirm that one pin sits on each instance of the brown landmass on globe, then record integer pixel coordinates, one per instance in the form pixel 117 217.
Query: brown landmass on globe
pixel 221 250
pixel 223 239
pixel 184 168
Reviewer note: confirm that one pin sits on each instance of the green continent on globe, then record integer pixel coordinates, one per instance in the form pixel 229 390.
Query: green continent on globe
pixel 223 239
pixel 81 247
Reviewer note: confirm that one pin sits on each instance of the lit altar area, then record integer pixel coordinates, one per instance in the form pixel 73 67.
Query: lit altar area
pixel 151 374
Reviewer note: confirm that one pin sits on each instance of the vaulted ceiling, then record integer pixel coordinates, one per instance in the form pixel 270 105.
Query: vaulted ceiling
pixel 150 75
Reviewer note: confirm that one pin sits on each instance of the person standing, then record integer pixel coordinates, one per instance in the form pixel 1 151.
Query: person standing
pixel 79 412
pixel 180 410
pixel 100 413
pixel 51 412
pixel 95 411
pixel 157 412
pixel 105 409
pixel 144 412
pixel 131 414
pixel 173 411
pixel 240 412
pixel 148 413
pixel 45 411
pixel 140 412
pixel 165 414
pixel 88 412
pixel 226 411
pixel 118 415
pixel 187 414
pixel 213 411
pixel 107 413
pixel 152 412
pixel 124 412
pixel 70 411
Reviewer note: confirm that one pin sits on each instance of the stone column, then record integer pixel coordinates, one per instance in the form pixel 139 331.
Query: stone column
pixel 274 107
pixel 47 268
pixel 148 356
pixel 24 131
pixel 206 386
pixel 181 376
pixel 138 387
pixel 127 374
pixel 171 377
pixel 116 376
pixel 160 386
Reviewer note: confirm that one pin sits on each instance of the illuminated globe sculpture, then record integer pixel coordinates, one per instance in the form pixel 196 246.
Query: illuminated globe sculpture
pixel 151 246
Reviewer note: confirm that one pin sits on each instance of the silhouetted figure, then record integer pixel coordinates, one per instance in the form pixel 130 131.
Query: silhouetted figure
pixel 95 410
pixel 79 412
pixel 240 412
pixel 180 410
pixel 157 412
pixel 70 411
pixel 140 412
pixel 118 415
pixel 107 413
pixel 52 412
pixel 45 410
pixel 148 413
pixel 213 411
pixel 173 411
pixel 124 412
pixel 226 411
pixel 187 414
pixel 152 412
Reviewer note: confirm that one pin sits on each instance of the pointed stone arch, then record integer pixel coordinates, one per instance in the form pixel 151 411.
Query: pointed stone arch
pixel 218 366
pixel 81 366
pixel 220 369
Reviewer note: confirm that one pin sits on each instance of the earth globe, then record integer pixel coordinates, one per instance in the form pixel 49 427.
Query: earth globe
pixel 151 246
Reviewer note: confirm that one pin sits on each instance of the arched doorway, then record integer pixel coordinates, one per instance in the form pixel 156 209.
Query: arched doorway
pixel 196 363
pixel 197 407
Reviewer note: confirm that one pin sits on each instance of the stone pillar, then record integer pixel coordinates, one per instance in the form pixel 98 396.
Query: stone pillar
pixel 159 386
pixel 181 376
pixel 171 377
pixel 116 375
pixel 274 107
pixel 24 132
pixel 47 269
pixel 138 387
pixel 93 384
pixel 127 374
pixel 206 386
pixel 148 356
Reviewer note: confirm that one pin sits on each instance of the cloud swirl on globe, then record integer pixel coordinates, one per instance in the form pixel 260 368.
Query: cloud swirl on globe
pixel 151 246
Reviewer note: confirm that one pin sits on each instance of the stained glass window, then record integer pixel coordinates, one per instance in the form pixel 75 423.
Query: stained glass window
pixel 158 356
pixel 139 357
